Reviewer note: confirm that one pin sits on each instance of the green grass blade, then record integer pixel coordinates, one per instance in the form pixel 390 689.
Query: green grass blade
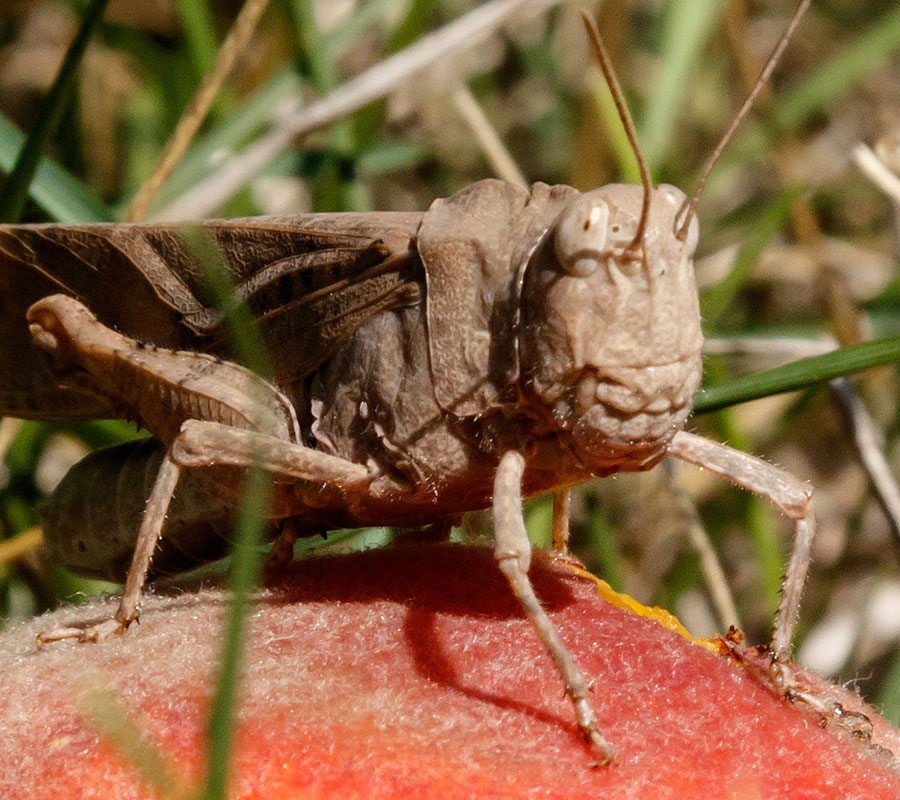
pixel 200 35
pixel 798 374
pixel 716 300
pixel 412 26
pixel 605 545
pixel 243 576
pixel 538 520
pixel 770 556
pixel 15 189
pixel 105 711
pixel 100 432
pixel 224 137
pixel 614 130
pixel 383 158
pixel 248 348
pixel 840 74
pixel 321 66
pixel 246 345
pixel 688 24
pixel 334 191
pixel 889 696
pixel 357 25
pixel 60 194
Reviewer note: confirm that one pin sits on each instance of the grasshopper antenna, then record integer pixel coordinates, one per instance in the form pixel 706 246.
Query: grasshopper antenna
pixel 764 75
pixel 619 99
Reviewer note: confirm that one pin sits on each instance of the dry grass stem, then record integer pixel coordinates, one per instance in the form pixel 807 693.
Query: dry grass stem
pixel 25 542
pixel 868 441
pixel 786 348
pixel 877 171
pixel 495 151
pixel 234 45
pixel 710 566
pixel 9 428
pixel 376 82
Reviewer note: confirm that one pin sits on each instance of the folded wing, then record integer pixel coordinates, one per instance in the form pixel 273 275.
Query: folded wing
pixel 310 282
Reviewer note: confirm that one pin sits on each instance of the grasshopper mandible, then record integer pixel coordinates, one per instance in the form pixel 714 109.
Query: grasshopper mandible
pixel 501 344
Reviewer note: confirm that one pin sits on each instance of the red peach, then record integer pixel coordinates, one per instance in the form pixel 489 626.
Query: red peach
pixel 411 672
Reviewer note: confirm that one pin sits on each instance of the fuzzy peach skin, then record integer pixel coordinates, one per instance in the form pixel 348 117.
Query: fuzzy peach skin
pixel 410 672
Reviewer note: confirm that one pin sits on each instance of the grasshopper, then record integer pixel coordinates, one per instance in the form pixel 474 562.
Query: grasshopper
pixel 503 343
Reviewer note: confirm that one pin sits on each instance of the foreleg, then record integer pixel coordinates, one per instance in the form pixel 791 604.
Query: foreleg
pixel 512 551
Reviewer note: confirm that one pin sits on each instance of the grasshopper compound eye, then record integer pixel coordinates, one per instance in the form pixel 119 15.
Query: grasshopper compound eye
pixel 581 235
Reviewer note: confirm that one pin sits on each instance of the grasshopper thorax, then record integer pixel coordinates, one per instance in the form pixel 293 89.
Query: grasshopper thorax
pixel 610 338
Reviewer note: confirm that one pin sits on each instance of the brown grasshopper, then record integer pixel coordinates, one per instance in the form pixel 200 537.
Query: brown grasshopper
pixel 501 344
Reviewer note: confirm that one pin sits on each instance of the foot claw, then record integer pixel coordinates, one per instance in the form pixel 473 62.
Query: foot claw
pixel 587 724
pixel 604 750
pixel 85 633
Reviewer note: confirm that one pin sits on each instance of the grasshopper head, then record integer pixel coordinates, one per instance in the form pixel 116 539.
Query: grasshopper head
pixel 610 335
pixel 610 328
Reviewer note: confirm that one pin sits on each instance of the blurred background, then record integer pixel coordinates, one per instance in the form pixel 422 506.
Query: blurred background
pixel 798 248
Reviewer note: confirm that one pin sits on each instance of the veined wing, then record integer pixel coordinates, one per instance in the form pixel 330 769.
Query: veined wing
pixel 310 281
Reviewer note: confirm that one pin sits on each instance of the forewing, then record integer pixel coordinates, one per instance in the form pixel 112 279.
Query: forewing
pixel 309 280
